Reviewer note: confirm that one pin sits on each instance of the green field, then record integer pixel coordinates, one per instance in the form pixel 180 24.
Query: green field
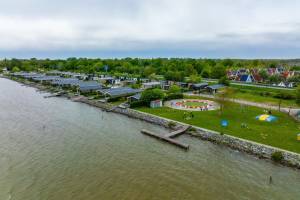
pixel 282 133
pixel 194 104
pixel 264 95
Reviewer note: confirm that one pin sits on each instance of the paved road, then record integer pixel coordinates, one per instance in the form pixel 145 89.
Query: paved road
pixel 291 111
pixel 252 85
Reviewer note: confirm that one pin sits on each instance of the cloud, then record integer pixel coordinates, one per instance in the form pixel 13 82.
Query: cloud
pixel 150 25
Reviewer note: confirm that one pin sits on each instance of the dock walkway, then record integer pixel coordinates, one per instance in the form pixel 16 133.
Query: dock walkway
pixel 169 137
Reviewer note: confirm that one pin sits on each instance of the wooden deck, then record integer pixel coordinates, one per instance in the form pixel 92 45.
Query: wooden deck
pixel 169 137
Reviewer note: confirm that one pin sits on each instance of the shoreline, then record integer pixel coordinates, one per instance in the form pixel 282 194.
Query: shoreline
pixel 291 159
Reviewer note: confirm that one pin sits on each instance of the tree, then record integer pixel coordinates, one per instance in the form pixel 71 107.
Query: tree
pixel 174 89
pixel 218 71
pixel 205 73
pixel 275 78
pixel 194 78
pixel 224 80
pixel 15 69
pixel 298 95
pixel 151 94
pixel 263 74
pixel 223 97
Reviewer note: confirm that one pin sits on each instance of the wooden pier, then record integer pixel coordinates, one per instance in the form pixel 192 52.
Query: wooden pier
pixel 169 137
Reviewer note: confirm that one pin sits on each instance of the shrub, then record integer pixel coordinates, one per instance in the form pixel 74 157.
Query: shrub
pixel 171 124
pixel 173 96
pixel 277 156
pixel 114 99
pixel 151 94
pixel 284 95
pixel 174 89
pixel 137 104
pixel 224 80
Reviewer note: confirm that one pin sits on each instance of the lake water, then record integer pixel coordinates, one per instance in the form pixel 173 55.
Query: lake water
pixel 55 149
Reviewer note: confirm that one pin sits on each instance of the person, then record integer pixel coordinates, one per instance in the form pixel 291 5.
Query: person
pixel 270 180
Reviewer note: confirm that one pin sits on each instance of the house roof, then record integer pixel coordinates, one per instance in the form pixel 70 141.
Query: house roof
pixel 200 84
pixel 151 83
pixel 257 77
pixel 66 81
pixel 244 77
pixel 89 85
pixel 120 92
pixel 136 96
pixel 215 87
pixel 46 78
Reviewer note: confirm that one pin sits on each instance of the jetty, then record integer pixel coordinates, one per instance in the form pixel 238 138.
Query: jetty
pixel 169 136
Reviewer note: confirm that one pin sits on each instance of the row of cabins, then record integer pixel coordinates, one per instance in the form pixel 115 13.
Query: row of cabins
pixel 253 75
pixel 81 86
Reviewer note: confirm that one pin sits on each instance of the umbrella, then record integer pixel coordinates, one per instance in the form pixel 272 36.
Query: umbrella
pixel 267 118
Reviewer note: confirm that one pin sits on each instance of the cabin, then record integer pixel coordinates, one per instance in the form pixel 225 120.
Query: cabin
pixel 89 86
pixel 46 79
pixel 156 104
pixel 107 80
pixel 257 78
pixel 199 86
pixel 134 98
pixel 246 78
pixel 118 92
pixel 66 82
pixel 151 85
pixel 286 84
pixel 214 88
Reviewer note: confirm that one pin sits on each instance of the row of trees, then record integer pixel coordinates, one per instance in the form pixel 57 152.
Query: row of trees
pixel 172 69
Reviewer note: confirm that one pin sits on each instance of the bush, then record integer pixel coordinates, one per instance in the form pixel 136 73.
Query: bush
pixel 173 96
pixel 171 124
pixel 277 156
pixel 174 89
pixel 224 80
pixel 114 99
pixel 284 95
pixel 151 94
pixel 136 104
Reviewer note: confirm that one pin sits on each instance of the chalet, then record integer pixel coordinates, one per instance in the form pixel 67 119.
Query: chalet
pixel 246 78
pixel 156 104
pixel 150 85
pixel 119 92
pixel 66 82
pixel 134 98
pixel 214 88
pixel 286 84
pixel 257 78
pixel 89 86
pixel 199 86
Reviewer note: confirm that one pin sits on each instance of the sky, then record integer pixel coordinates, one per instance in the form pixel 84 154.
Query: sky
pixel 150 28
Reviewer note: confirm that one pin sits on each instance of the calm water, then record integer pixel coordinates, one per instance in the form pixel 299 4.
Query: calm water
pixel 54 149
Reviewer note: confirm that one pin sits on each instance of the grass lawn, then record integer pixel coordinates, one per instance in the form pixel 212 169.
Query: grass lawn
pixel 254 94
pixel 282 133
pixel 194 104
pixel 264 99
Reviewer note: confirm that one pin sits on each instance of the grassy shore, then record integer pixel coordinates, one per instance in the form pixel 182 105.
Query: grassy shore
pixel 264 95
pixel 281 134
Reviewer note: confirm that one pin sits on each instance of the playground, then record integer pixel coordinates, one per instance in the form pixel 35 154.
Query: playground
pixel 192 104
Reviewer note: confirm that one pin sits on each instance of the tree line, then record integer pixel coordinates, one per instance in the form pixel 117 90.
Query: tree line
pixel 170 68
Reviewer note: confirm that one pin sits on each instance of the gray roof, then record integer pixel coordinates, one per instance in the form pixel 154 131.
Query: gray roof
pixel 46 78
pixel 200 84
pixel 120 92
pixel 137 96
pixel 66 81
pixel 215 87
pixel 89 85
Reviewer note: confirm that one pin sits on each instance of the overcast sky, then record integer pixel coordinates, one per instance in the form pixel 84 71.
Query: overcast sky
pixel 150 28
